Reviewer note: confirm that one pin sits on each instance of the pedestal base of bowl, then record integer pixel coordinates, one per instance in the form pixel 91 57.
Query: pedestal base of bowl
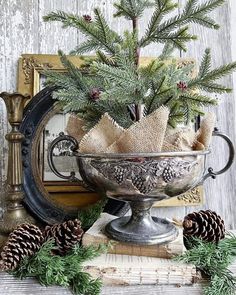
pixel 163 232
pixel 141 228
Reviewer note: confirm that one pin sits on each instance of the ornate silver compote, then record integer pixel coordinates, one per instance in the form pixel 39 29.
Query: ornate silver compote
pixel 141 179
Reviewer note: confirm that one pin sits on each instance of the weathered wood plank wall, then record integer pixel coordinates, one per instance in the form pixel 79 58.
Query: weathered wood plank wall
pixel 22 31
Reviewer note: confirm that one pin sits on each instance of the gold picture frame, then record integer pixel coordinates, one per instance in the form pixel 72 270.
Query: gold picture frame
pixel 30 67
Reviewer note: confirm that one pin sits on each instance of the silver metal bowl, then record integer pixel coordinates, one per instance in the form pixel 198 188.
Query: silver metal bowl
pixel 141 179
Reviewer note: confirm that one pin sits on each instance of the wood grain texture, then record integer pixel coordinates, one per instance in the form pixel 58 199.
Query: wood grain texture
pixel 220 193
pixel 10 285
pixel 22 31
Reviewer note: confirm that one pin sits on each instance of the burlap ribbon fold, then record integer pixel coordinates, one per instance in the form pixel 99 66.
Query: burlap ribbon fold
pixel 101 136
pixel 148 135
pixel 145 136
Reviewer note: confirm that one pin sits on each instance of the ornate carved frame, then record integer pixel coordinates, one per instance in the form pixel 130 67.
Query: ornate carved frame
pixel 29 70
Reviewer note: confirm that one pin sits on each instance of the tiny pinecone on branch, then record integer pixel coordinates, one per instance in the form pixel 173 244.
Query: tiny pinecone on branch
pixel 206 225
pixel 66 234
pixel 94 94
pixel 25 240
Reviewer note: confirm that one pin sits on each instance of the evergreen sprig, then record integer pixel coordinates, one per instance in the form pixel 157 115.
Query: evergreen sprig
pixel 213 259
pixel 132 9
pixel 66 271
pixel 192 13
pixel 116 70
pixel 99 34
pixel 89 215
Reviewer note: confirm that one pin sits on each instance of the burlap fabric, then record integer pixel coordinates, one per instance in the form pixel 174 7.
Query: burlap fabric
pixel 179 139
pixel 75 127
pixel 204 134
pixel 144 136
pixel 101 136
pixel 148 135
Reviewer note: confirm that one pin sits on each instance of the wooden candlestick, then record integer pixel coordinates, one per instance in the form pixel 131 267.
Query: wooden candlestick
pixel 15 213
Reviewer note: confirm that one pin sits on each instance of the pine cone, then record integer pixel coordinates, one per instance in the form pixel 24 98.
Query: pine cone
pixel 182 86
pixel 94 94
pixel 206 225
pixel 66 234
pixel 25 240
pixel 87 18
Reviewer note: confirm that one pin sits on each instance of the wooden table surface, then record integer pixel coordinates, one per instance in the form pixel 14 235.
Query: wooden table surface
pixel 10 286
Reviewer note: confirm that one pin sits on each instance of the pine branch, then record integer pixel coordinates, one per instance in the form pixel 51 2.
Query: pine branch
pixel 93 30
pixel 130 46
pixel 131 9
pixel 197 99
pixel 213 259
pixel 90 214
pixel 167 51
pixel 105 59
pixel 65 270
pixel 205 64
pixel 192 16
pixel 214 88
pixel 85 47
pixel 73 71
pixel 161 9
pixel 211 76
pixel 177 39
pixel 107 35
pixel 118 75
pixel 192 13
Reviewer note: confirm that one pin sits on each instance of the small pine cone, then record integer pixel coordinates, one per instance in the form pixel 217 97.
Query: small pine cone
pixel 94 94
pixel 182 86
pixel 65 234
pixel 206 225
pixel 24 241
pixel 168 174
pixel 87 18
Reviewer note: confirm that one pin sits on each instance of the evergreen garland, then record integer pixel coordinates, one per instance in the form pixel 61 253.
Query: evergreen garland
pixel 66 271
pixel 213 259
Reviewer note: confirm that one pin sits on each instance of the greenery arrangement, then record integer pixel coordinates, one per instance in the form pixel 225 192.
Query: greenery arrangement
pixel 115 82
pixel 66 271
pixel 89 215
pixel 213 259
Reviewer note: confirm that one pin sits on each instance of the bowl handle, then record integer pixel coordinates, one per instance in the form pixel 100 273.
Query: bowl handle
pixel 211 173
pixel 74 147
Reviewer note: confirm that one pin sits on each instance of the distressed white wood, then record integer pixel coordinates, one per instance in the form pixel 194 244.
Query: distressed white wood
pixel 23 31
pixel 10 285
pixel 220 193
pixel 51 35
